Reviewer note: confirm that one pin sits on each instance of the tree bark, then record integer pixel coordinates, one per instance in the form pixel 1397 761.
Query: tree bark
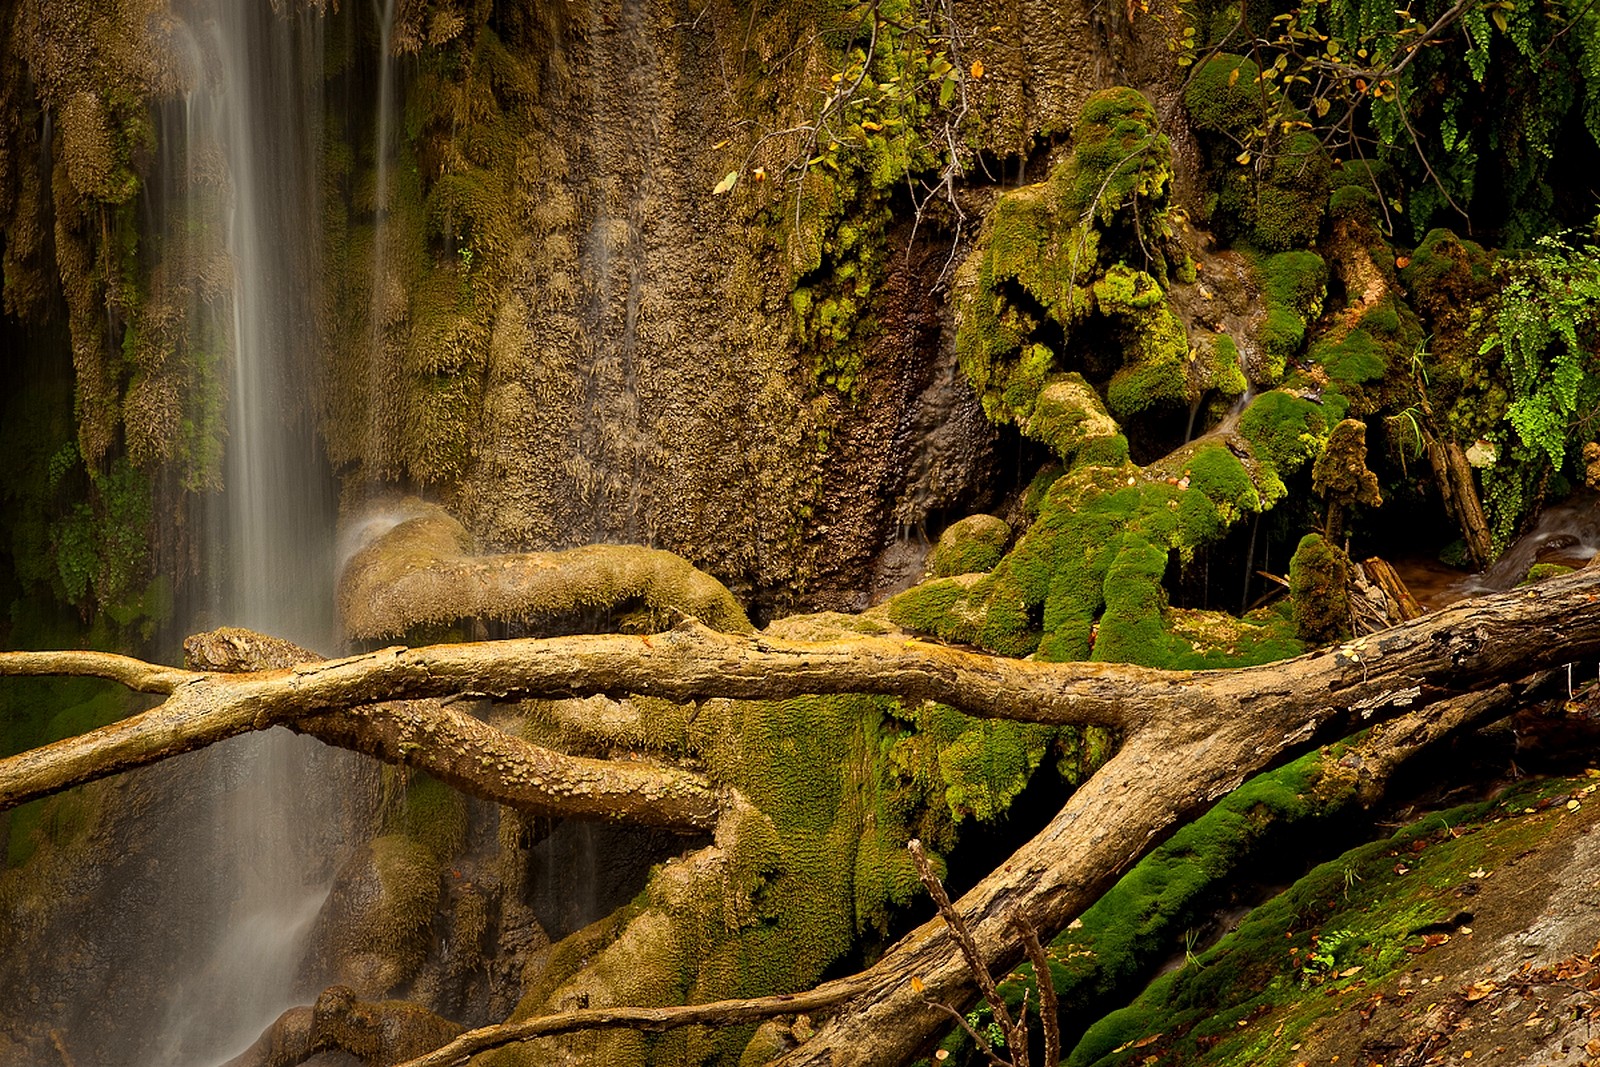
pixel 1188 738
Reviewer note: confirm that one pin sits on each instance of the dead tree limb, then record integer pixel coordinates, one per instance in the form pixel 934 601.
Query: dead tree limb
pixel 1188 739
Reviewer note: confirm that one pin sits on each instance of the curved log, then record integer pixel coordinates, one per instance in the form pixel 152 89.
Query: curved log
pixel 422 571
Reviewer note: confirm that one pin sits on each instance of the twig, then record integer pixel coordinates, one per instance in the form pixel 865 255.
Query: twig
pixel 1049 1007
pixel 1016 1031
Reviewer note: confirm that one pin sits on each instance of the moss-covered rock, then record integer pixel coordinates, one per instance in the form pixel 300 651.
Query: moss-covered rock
pixel 1275 193
pixel 1293 286
pixel 1318 574
pixel 1086 579
pixel 973 544
pixel 1072 420
pixel 1055 256
pixel 419 570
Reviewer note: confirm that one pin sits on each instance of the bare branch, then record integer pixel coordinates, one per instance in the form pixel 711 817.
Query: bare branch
pixel 135 674
pixel 654 1020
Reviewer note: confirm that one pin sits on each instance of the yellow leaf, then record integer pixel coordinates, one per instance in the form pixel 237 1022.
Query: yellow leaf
pixel 726 184
pixel 1499 19
pixel 721 144
pixel 977 69
pixel 873 126
pixel 916 985
pixel 1243 158
pixel 1233 77
pixel 1322 107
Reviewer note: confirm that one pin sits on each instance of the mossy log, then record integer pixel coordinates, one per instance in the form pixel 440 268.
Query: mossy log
pixel 422 572
pixel 1188 739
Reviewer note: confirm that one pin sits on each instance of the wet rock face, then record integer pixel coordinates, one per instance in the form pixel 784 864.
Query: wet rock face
pixel 598 349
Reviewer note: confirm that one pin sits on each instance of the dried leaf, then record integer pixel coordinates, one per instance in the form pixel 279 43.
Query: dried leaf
pixel 726 184
pixel 977 69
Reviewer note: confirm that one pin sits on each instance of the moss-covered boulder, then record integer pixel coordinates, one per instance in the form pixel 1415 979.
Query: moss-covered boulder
pixel 1072 420
pixel 973 544
pixel 1086 579
pixel 1274 194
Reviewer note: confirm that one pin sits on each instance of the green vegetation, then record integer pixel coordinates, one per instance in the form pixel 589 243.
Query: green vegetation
pixel 1317 577
pixel 1243 1001
pixel 1056 257
pixel 1546 328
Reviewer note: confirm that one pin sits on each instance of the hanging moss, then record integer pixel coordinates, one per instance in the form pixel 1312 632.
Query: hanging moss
pixel 1055 255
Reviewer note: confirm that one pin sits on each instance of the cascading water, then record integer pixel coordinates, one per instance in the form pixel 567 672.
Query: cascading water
pixel 268 844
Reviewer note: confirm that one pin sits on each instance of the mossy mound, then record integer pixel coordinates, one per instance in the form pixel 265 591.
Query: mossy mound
pixel 1085 580
pixel 1275 202
pixel 1293 287
pixel 973 544
pixel 1072 420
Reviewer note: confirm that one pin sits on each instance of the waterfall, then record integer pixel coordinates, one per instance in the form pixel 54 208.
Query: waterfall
pixel 268 825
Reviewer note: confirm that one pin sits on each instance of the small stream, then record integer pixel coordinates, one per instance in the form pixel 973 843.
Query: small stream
pixel 1567 533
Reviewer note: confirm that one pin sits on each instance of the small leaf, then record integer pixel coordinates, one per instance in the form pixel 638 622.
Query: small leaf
pixel 726 184
pixel 1233 77
pixel 1499 18
pixel 1242 158
pixel 916 984
pixel 977 69
pixel 1322 105
pixel 721 144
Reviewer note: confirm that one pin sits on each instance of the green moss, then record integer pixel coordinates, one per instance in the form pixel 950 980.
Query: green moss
pixel 1540 571
pixel 1223 95
pixel 1220 476
pixel 973 544
pixel 1069 416
pixel 1055 255
pixel 1317 577
pixel 1085 580
pixel 1293 194
pixel 1155 372
pixel 1286 430
pixel 1286 956
pixel 1354 203
pixel 1294 285
pixel 1354 357
pixel 1276 201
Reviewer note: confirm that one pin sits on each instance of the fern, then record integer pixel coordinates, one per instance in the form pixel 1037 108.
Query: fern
pixel 1547 329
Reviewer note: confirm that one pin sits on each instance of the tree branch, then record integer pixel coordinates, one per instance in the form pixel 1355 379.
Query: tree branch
pixel 716 1013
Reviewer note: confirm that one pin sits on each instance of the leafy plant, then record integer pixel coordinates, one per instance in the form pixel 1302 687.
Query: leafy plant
pixel 1546 328
pixel 1323 957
